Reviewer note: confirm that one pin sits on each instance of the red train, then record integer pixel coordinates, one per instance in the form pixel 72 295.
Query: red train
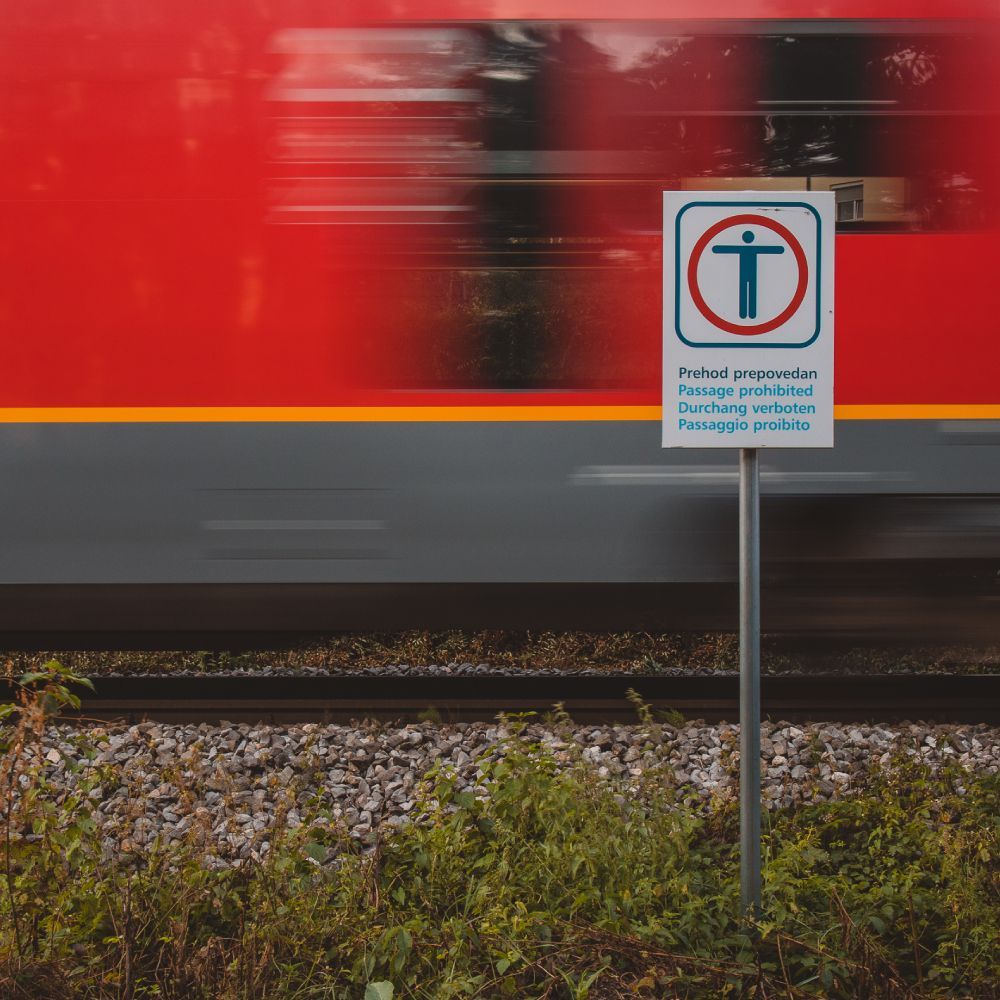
pixel 321 318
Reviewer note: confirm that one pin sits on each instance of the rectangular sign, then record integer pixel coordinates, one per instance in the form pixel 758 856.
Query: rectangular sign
pixel 748 319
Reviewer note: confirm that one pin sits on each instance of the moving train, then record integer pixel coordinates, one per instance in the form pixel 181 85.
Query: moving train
pixel 318 316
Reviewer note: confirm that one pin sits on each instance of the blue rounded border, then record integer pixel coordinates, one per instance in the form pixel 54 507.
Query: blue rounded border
pixel 747 204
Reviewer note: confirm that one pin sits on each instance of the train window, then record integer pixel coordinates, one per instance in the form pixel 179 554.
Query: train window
pixel 501 183
pixel 827 101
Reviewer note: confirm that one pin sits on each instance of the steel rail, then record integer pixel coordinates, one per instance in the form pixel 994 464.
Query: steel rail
pixel 604 698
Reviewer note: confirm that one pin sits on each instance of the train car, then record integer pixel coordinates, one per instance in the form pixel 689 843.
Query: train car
pixel 320 316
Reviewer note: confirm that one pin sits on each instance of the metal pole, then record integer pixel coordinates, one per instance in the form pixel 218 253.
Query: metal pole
pixel 750 682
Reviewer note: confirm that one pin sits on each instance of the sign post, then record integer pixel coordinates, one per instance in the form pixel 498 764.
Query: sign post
pixel 748 364
pixel 750 681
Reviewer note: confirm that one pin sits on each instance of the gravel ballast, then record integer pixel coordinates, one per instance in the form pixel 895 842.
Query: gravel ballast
pixel 456 653
pixel 232 783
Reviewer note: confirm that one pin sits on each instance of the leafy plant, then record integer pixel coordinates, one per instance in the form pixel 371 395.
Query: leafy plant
pixel 538 880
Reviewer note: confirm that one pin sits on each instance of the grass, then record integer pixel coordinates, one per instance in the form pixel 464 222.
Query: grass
pixel 637 652
pixel 543 883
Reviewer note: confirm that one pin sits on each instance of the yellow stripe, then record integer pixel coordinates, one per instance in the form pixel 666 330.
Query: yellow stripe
pixel 918 411
pixel 302 414
pixel 435 414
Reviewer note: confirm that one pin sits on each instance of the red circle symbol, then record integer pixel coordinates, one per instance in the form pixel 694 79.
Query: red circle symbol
pixel 753 329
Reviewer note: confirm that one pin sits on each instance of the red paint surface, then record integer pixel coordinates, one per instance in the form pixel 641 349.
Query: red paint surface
pixel 138 265
pixel 917 319
pixel 653 10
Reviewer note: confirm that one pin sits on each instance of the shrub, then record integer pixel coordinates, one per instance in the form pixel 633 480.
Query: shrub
pixel 544 882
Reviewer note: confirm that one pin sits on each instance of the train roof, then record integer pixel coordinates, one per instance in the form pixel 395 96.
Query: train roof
pixel 572 10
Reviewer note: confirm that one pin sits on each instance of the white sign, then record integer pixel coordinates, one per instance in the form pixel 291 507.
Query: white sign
pixel 747 319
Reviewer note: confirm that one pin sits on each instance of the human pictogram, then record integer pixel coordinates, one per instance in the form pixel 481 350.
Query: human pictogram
pixel 749 277
pixel 748 270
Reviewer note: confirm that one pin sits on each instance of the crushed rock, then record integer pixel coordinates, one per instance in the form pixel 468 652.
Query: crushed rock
pixel 230 784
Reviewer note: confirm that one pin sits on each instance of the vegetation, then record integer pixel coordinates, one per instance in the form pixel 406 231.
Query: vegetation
pixel 642 652
pixel 552 885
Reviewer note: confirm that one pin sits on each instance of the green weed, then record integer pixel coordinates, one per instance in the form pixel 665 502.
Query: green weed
pixel 540 881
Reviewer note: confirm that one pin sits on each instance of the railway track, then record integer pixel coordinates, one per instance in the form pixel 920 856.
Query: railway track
pixel 604 698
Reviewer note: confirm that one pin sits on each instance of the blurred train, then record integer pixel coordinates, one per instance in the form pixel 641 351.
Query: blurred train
pixel 320 316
